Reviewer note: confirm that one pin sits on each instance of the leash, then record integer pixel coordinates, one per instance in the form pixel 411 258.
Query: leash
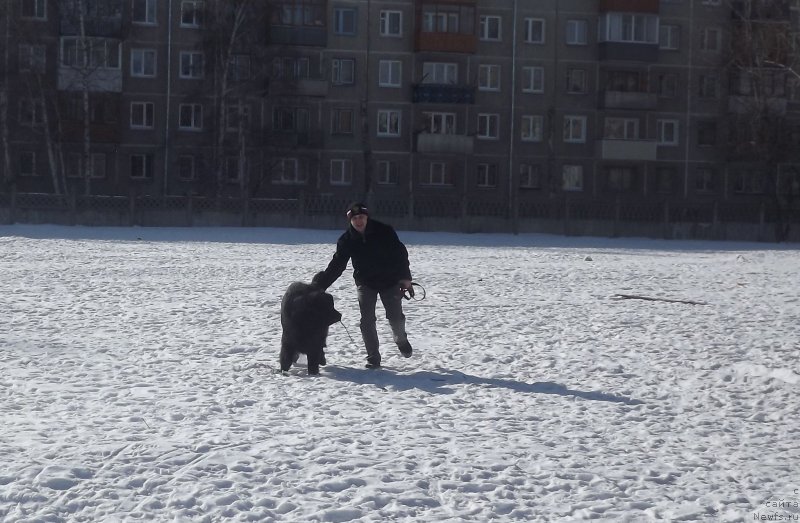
pixel 410 294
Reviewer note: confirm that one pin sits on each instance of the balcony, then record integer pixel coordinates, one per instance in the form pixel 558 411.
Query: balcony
pixel 299 87
pixel 630 6
pixel 293 139
pixel 628 51
pixel 628 100
pixel 297 35
pixel 98 132
pixel 750 105
pixel 642 150
pixel 444 143
pixel 109 26
pixel 104 80
pixel 443 94
pixel 446 42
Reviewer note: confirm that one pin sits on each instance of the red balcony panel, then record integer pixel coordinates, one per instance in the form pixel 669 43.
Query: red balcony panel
pixel 447 42
pixel 630 6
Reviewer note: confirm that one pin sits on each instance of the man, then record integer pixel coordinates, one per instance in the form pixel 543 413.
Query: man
pixel 306 313
pixel 380 268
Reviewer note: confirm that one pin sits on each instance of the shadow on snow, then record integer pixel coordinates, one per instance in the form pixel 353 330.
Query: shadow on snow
pixel 437 382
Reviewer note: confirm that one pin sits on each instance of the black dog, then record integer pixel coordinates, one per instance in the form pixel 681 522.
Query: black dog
pixel 306 313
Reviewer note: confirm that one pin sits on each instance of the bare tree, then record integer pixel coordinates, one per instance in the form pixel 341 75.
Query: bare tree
pixel 4 87
pixel 763 59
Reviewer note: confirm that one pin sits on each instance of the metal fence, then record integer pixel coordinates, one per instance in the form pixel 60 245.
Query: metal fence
pixel 556 216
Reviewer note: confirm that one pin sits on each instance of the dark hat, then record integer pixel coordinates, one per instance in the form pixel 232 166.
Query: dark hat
pixel 356 209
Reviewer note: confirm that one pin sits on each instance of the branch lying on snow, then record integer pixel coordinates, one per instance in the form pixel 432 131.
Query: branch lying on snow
pixel 648 298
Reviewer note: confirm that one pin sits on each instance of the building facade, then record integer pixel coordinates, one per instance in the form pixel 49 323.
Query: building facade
pixel 435 107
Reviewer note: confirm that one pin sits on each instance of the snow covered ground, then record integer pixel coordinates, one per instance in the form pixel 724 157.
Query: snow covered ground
pixel 136 381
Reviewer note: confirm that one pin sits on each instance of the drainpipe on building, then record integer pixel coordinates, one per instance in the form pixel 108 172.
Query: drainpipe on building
pixel 366 116
pixel 688 106
pixel 169 94
pixel 512 204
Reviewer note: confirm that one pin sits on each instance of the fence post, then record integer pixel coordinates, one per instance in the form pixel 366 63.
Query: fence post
pixel 667 235
pixel 189 210
pixel 566 216
pixel 72 204
pixel 132 209
pixel 617 215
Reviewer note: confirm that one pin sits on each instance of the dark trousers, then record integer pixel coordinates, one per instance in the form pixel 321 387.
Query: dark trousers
pixel 392 299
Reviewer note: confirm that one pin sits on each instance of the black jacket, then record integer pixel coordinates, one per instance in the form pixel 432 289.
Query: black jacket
pixel 380 259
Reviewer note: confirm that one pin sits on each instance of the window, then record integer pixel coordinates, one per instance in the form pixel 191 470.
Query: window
pixel 387 172
pixel 342 121
pixel 341 172
pixel 532 128
pixel 142 115
pixel 290 67
pixel 343 71
pixel 186 170
pixel 236 117
pixel 490 28
pixel 440 123
pixel 625 81
pixel 388 123
pixel 73 165
pixel 489 77
pixel 621 129
pixel 711 40
pixel 534 31
pixel 191 14
pixel 298 13
pixel 621 179
pixel 667 85
pixel 576 81
pixel 27 163
pixel 344 21
pixel 390 73
pixel 34 9
pixel 32 58
pixel 488 126
pixel 191 64
pixel 748 182
pixel 572 177
pixel 31 112
pixel 289 171
pixel 391 23
pixel 98 165
pixel 141 166
pixel 234 168
pixel 487 175
pixel 575 129
pixel 190 117
pixel 98 53
pixel 437 174
pixel 628 28
pixel 290 119
pixel 143 62
pixel 439 73
pixel 669 37
pixel 440 18
pixel 709 86
pixel 665 179
pixel 144 11
pixel 530 176
pixel 667 132
pixel 705 180
pixel 533 79
pixel 576 32
pixel 239 68
pixel 706 134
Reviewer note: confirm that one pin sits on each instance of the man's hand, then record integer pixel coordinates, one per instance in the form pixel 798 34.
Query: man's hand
pixel 406 286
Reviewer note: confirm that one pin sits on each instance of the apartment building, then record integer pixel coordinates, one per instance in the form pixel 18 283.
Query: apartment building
pixel 433 106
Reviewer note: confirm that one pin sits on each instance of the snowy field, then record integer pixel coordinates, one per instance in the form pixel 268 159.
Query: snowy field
pixel 136 382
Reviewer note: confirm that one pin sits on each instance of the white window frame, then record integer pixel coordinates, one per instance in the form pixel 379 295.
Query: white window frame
pixel 343 71
pixel 532 128
pixel 39 11
pixel 141 55
pixel 439 73
pixel 530 176
pixel 341 171
pixel 234 168
pixel 192 161
pixel 190 69
pixel 664 132
pixel 572 178
pixel 390 73
pixel 584 83
pixel 342 17
pixel 336 120
pixel 147 165
pixel 530 25
pixel 387 172
pixel 389 123
pixel 634 28
pixel 289 171
pixel 488 77
pixel 669 37
pixel 193 8
pixel 440 122
pixel 488 126
pixel 491 28
pixel 32 58
pixel 72 56
pixel 194 112
pixel 391 23
pixel 486 175
pixel 437 175
pixel 576 32
pixel 150 10
pixel 533 79
pixel 143 112
pixel 617 128
pixel 572 123
pixel 711 41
